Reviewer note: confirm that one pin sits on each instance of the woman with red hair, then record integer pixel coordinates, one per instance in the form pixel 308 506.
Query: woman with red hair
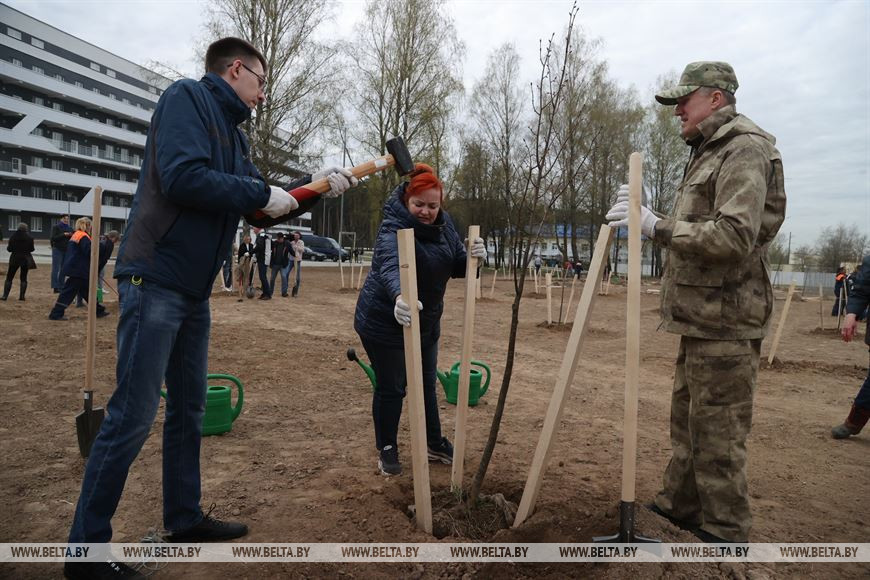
pixel 381 312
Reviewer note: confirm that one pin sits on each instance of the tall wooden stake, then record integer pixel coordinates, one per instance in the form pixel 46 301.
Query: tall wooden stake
pixel 821 308
pixel 471 286
pixel 359 279
pixel 565 377
pixel 93 273
pixel 414 374
pixel 549 282
pixel 492 288
pixel 775 344
pixel 570 299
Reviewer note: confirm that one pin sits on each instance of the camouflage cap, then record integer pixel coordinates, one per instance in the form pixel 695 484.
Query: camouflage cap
pixel 700 74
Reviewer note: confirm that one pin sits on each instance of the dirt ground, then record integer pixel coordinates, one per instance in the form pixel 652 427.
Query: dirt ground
pixel 300 463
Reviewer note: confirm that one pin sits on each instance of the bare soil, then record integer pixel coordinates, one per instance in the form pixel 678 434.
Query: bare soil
pixel 300 463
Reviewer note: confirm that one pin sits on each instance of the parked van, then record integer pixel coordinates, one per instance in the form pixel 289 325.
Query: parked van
pixel 326 246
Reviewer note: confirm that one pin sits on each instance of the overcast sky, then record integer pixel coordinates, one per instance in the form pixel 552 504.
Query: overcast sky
pixel 803 67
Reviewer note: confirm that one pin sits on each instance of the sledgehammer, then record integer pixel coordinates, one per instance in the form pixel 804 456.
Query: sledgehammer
pixel 397 156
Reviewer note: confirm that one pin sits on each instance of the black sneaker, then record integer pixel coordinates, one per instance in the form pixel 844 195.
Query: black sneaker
pixel 102 313
pixel 209 529
pixel 58 318
pixel 265 297
pixel 441 451
pixel 98 570
pixel 388 461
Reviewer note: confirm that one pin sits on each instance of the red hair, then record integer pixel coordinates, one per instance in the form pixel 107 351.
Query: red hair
pixel 422 178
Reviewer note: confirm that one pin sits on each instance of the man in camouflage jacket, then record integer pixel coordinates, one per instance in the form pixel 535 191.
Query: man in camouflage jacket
pixel 716 294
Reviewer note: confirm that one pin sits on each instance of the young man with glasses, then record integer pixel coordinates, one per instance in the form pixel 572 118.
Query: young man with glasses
pixel 196 182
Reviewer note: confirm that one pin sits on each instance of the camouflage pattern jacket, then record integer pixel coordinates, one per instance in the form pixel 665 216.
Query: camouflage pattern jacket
pixel 729 207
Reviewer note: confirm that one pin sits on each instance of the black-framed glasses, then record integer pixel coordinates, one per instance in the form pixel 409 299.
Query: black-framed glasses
pixel 261 80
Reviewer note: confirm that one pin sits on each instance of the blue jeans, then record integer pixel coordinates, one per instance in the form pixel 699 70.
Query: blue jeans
pixel 56 265
pixel 162 334
pixel 285 274
pixel 389 366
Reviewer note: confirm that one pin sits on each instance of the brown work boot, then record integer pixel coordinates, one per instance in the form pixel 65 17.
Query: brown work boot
pixel 853 424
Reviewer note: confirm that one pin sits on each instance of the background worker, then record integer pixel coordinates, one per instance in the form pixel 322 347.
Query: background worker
pixel 381 312
pixel 196 182
pixel 20 248
pixel 716 295
pixel 859 300
pixel 60 235
pixel 76 271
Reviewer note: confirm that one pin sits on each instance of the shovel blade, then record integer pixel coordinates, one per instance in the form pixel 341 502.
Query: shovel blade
pixel 87 426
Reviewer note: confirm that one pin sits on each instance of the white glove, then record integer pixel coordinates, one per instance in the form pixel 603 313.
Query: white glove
pixel 402 311
pixel 247 255
pixel 280 202
pixel 478 249
pixel 622 195
pixel 340 180
pixel 618 216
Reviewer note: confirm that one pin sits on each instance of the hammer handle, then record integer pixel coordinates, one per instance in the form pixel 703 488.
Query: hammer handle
pixel 320 186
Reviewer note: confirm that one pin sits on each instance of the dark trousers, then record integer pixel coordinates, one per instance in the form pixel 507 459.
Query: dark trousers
pixel 16 262
pixel 862 400
pixel 71 288
pixel 389 366
pixel 264 279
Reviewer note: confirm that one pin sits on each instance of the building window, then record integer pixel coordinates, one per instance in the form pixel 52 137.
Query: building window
pixel 17 62
pixel 73 170
pixel 59 77
pixel 14 220
pixel 14 34
pixel 94 174
pixel 16 165
pixel 80 85
pixel 57 165
pixel 56 194
pixel 37 43
pixel 38 70
pixel 36 161
pixel 38 132
pixel 16 192
pixel 36 223
pixel 110 72
pixel 39 101
pixel 95 66
pixel 57 106
pixel 113 96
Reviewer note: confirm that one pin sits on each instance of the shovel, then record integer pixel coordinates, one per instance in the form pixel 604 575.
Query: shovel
pixel 626 533
pixel 88 424
pixel 88 421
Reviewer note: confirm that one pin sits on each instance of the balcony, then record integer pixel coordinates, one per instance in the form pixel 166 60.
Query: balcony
pixel 35 79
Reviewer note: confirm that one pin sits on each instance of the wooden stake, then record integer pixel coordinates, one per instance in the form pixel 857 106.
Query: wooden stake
pixel 564 378
pixel 821 308
pixel 91 336
pixel 492 288
pixel 632 333
pixel 841 305
pixel 471 286
pixel 359 280
pixel 478 289
pixel 341 270
pixel 570 299
pixel 414 378
pixel 549 281
pixel 781 323
pixel 535 274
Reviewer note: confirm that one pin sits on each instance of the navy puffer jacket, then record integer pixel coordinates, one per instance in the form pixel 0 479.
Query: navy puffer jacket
pixel 440 255
pixel 196 181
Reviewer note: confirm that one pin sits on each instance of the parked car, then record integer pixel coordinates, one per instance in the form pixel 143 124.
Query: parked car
pixel 326 246
pixel 313 255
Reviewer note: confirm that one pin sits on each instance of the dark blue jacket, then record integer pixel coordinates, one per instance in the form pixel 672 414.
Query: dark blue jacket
pixel 196 181
pixel 859 294
pixel 440 255
pixel 77 259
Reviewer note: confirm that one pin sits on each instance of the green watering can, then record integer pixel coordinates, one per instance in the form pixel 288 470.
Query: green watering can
pixel 450 382
pixel 219 412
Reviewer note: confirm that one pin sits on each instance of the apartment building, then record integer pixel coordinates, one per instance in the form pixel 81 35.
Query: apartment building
pixel 72 116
